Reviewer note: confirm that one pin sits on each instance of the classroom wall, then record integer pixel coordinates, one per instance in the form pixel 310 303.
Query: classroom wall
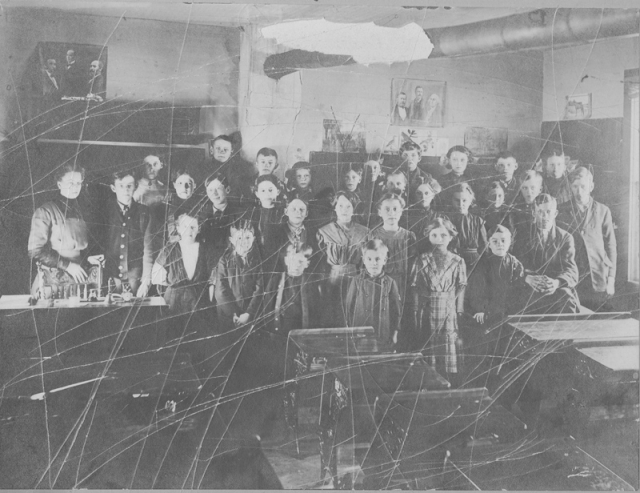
pixel 601 64
pixel 147 60
pixel 503 91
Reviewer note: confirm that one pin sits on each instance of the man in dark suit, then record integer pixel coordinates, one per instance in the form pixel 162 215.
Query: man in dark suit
pixel 96 84
pixel 591 225
pixel 417 110
pixel 73 80
pixel 548 255
pixel 400 114
pixel 50 85
pixel 49 91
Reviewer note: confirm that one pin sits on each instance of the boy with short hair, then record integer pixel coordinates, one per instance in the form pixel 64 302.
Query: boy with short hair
pixel 267 218
pixel 129 244
pixel 498 273
pixel 301 177
pixel 372 297
pixel 524 207
pixel 411 154
pixel 556 182
pixel 506 166
pixel 266 161
pixel 238 278
pixel 591 226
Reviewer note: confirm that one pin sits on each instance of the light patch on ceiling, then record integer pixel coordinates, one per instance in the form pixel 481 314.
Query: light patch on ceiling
pixel 366 43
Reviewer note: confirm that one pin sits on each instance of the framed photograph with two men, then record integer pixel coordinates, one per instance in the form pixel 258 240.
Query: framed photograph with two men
pixel 418 103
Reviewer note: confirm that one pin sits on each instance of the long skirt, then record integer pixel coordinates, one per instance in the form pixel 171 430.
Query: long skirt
pixel 437 330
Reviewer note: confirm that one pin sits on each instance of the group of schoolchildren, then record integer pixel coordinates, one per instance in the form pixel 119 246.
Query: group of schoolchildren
pixel 395 251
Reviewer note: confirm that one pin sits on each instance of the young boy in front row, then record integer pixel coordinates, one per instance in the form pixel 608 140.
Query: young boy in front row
pixel 371 297
pixel 239 282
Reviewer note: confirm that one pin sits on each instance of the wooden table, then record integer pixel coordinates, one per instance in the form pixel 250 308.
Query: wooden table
pixel 115 348
pixel 573 375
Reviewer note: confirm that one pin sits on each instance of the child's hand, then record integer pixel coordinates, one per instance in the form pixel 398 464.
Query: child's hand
pixel 479 317
pixel 241 320
pixel 394 337
pixel 143 289
pixel 611 286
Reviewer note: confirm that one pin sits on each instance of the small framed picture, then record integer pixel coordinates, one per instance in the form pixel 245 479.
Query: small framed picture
pixel 416 102
pixel 578 107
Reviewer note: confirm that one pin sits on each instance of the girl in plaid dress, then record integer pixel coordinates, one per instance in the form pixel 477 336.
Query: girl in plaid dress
pixel 438 279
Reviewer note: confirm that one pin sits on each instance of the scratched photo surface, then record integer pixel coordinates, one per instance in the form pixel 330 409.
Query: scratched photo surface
pixel 228 267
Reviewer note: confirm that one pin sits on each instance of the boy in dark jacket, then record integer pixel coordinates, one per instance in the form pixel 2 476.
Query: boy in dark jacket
pixel 591 225
pixel 129 243
pixel 239 284
pixel 371 297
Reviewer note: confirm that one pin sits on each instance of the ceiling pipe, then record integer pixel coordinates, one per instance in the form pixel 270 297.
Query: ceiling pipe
pixel 537 29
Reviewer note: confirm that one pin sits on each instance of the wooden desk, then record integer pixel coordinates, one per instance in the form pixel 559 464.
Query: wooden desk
pixel 356 370
pixel 572 369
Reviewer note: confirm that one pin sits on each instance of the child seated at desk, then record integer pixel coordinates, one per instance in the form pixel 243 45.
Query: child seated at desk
pixel 371 297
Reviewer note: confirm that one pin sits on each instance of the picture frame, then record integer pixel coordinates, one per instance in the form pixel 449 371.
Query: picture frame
pixel 486 142
pixel 578 107
pixel 418 103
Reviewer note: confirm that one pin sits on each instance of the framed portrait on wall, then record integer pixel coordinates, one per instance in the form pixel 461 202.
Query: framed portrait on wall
pixel 416 102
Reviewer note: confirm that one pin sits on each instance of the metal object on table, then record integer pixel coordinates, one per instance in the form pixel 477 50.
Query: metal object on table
pixel 54 283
